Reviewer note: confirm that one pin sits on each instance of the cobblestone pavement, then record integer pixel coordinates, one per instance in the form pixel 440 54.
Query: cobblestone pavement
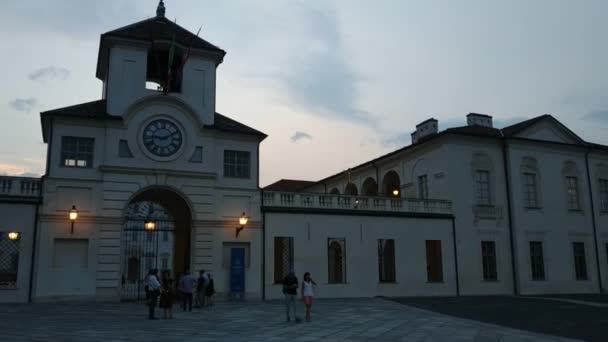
pixel 333 320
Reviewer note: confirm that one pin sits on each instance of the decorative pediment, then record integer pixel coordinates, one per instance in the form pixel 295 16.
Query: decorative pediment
pixel 543 128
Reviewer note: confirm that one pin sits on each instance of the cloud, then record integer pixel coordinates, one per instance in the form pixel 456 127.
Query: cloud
pixel 300 136
pixel 23 105
pixel 49 73
pixel 600 116
pixel 318 76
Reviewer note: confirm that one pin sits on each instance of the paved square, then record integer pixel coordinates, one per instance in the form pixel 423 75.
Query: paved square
pixel 333 320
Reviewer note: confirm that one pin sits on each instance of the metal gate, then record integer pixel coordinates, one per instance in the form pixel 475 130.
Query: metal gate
pixel 145 249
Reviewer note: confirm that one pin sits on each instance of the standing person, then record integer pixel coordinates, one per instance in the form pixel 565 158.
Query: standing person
pixel 308 292
pixel 290 290
pixel 209 290
pixel 201 289
pixel 186 286
pixel 153 290
pixel 167 295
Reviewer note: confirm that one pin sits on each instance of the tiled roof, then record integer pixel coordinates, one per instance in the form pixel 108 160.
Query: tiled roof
pixel 224 123
pixel 288 185
pixel 161 28
pixel 92 110
pixel 97 110
pixel 475 130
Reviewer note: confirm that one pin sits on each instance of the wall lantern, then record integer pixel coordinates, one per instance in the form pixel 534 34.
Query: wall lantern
pixel 395 192
pixel 13 236
pixel 73 217
pixel 149 225
pixel 242 222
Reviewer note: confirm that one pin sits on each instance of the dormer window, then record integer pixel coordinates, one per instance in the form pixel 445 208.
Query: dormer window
pixel 165 67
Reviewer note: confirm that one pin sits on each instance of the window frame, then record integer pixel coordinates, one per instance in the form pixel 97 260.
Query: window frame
pixel 278 278
pixel 483 193
pixel 76 154
pixel 423 186
pixel 387 268
pixel 537 267
pixel 603 189
pixel 573 200
pixel 233 165
pixel 489 261
pixel 434 274
pixel 530 191
pixel 342 243
pixel 581 273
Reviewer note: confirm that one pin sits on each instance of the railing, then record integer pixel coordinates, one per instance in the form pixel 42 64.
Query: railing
pixel 361 203
pixel 19 186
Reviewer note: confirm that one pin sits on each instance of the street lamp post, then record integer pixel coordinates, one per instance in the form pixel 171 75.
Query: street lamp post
pixel 73 216
pixel 242 222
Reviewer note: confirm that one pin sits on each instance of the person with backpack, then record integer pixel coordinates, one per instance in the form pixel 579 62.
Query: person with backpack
pixel 290 290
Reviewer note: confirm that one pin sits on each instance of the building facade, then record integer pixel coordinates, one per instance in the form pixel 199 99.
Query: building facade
pixel 151 176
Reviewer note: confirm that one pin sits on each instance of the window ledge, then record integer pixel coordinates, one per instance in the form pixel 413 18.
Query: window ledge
pixel 388 283
pixel 539 280
pixel 533 208
pixel 435 282
pixel 490 281
pixel 575 211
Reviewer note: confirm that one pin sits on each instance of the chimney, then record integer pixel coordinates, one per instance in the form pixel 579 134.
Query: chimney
pixel 475 119
pixel 425 128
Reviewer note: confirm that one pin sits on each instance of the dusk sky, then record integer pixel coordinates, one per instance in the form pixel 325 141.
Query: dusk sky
pixel 333 83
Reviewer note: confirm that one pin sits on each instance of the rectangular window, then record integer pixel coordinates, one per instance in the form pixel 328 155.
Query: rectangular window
pixel 9 261
pixel 482 179
pixel 580 263
pixel 283 257
pixel 530 190
pixel 336 260
pixel 537 262
pixel 423 187
pixel 604 195
pixel 386 260
pixel 77 152
pixel 488 257
pixel 237 164
pixel 434 266
pixel 573 200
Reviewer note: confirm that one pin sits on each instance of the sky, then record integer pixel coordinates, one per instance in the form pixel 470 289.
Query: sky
pixel 333 83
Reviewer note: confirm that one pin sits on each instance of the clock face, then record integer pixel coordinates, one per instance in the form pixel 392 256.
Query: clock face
pixel 162 138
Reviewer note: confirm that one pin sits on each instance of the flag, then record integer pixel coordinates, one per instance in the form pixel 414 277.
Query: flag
pixel 170 61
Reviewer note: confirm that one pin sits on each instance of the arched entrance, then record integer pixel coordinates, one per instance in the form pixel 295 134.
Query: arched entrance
pixel 164 245
pixel 391 184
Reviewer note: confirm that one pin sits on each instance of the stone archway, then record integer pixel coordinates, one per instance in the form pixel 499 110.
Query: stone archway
pixel 166 247
pixel 370 187
pixel 391 184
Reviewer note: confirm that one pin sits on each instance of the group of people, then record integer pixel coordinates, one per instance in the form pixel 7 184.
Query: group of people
pixel 290 290
pixel 201 289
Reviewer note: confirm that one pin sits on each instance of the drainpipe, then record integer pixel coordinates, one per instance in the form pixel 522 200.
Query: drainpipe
pixel 597 255
pixel 263 249
pixel 510 216
pixel 455 255
pixel 34 244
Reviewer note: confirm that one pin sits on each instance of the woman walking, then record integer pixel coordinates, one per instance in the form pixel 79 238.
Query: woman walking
pixel 308 292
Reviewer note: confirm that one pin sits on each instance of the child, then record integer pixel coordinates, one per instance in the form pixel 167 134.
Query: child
pixel 167 298
pixel 308 293
pixel 209 290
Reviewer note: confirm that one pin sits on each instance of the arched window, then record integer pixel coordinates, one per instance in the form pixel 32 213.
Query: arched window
pixel 334 191
pixel 370 187
pixel 336 261
pixel 351 189
pixel 391 184
pixel 570 174
pixel 530 180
